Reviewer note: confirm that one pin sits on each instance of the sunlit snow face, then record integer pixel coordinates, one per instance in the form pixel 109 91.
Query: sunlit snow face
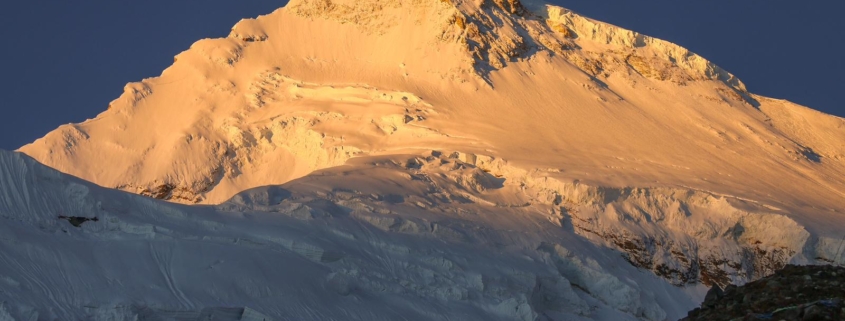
pixel 420 160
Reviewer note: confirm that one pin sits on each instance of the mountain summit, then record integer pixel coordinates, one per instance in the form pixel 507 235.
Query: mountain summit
pixel 487 110
pixel 318 82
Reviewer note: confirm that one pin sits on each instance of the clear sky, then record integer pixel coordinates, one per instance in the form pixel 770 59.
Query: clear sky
pixel 64 61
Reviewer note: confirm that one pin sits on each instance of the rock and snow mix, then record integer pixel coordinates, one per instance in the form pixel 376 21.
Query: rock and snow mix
pixel 427 159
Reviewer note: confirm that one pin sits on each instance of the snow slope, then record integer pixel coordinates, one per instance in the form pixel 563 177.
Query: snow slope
pixel 578 138
pixel 312 249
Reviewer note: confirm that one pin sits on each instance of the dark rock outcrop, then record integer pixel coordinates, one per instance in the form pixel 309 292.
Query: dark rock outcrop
pixel 793 293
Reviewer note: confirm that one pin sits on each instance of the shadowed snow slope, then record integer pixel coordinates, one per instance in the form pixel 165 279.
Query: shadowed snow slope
pixel 576 137
pixel 312 249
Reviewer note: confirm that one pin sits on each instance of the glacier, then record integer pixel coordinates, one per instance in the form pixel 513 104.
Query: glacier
pixel 312 249
pixel 420 160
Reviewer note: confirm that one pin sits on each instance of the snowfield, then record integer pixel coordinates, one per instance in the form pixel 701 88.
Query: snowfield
pixel 419 160
pixel 312 249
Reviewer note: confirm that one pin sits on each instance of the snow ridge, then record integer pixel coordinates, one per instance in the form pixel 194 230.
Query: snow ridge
pixel 669 54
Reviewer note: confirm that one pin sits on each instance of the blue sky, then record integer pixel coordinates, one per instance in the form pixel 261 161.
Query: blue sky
pixel 64 61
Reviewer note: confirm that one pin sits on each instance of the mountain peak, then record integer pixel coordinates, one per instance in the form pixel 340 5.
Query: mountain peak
pixel 494 126
pixel 487 33
pixel 493 33
pixel 318 82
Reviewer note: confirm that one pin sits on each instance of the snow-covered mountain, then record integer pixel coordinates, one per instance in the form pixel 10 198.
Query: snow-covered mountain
pixel 486 159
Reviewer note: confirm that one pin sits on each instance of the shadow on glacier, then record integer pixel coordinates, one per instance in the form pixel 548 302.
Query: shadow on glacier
pixel 264 196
